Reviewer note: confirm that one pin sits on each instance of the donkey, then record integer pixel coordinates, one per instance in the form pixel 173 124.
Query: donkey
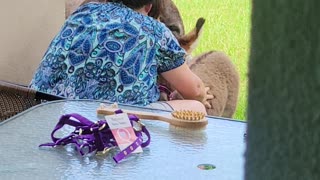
pixel 214 68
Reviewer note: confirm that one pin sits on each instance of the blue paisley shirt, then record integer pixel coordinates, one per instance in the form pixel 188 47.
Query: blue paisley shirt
pixel 108 52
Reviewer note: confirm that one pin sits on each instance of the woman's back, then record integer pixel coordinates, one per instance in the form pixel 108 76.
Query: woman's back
pixel 108 52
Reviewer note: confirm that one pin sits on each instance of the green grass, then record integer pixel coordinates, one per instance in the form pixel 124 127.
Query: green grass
pixel 227 29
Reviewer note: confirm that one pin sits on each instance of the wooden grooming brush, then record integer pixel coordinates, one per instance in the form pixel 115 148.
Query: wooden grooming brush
pixel 182 118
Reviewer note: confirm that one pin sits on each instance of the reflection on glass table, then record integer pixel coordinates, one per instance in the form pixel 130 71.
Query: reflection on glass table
pixel 215 152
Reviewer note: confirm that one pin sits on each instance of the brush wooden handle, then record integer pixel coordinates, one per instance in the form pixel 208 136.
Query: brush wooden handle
pixel 139 114
pixel 167 117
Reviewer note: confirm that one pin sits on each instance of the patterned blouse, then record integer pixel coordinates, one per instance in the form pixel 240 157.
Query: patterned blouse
pixel 108 52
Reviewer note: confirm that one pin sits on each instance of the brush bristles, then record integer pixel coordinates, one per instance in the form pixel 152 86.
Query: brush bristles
pixel 188 115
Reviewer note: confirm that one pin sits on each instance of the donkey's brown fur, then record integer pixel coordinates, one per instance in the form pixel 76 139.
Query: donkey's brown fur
pixel 214 68
pixel 217 71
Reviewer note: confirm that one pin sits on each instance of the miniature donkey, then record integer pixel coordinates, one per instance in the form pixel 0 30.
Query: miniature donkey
pixel 214 68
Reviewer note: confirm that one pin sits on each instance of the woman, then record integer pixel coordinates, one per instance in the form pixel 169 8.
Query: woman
pixel 114 51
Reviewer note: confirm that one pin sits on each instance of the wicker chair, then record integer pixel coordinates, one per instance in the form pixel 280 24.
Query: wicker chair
pixel 15 98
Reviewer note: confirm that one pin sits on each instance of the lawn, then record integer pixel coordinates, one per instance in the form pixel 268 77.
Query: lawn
pixel 227 29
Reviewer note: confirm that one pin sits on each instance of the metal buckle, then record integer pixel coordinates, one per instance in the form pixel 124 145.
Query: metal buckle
pixel 105 151
pixel 102 127
pixel 80 131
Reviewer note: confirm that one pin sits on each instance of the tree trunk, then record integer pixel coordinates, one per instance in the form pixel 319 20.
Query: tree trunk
pixel 283 140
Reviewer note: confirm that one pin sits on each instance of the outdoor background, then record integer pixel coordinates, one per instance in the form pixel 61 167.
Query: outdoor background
pixel 31 26
pixel 227 29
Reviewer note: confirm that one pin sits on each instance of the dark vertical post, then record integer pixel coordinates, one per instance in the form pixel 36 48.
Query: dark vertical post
pixel 283 139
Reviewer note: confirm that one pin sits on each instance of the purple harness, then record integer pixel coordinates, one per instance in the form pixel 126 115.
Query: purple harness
pixel 89 136
pixel 166 90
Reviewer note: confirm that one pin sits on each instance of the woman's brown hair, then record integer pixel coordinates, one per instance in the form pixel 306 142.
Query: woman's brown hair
pixel 136 4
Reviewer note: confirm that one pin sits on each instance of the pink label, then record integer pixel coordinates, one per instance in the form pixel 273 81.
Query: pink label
pixel 122 130
pixel 124 135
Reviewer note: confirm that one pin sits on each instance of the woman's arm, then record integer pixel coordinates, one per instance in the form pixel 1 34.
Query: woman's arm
pixel 188 84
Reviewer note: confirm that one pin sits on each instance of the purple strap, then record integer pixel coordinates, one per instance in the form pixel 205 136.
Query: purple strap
pixel 166 90
pixel 89 136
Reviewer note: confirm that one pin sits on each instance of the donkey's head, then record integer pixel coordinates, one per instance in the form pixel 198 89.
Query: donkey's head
pixel 171 17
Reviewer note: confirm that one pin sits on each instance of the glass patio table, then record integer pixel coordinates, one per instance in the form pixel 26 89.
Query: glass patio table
pixel 215 152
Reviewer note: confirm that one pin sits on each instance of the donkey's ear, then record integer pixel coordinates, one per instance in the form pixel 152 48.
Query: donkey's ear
pixel 190 41
pixel 199 25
